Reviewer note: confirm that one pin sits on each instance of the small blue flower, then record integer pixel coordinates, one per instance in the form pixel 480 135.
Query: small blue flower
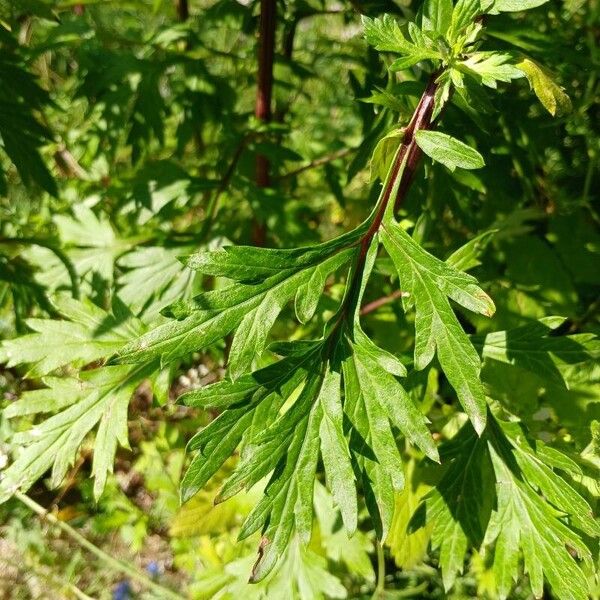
pixel 122 591
pixel 153 569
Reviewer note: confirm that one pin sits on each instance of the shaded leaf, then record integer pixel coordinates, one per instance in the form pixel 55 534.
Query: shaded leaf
pixel 98 400
pixel 534 348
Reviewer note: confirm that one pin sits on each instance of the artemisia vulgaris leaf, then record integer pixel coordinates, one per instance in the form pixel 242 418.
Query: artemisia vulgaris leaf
pixel 430 283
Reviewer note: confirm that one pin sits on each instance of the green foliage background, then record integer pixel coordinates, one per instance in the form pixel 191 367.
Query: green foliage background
pixel 128 140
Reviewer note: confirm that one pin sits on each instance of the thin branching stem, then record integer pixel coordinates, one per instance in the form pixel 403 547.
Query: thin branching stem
pixel 317 162
pixel 64 259
pixel 380 589
pixel 110 561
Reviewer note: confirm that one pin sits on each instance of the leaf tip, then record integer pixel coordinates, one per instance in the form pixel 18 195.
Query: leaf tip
pixel 490 307
pixel 479 423
pixel 258 572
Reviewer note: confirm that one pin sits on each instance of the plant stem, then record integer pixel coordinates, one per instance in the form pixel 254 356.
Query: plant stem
pixel 376 304
pixel 380 589
pixel 317 162
pixel 264 92
pixel 211 209
pixel 395 189
pixel 266 53
pixel 406 162
pixel 116 564
pixel 402 172
pixel 183 10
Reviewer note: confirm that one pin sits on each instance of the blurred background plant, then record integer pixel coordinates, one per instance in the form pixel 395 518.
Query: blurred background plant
pixel 130 137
